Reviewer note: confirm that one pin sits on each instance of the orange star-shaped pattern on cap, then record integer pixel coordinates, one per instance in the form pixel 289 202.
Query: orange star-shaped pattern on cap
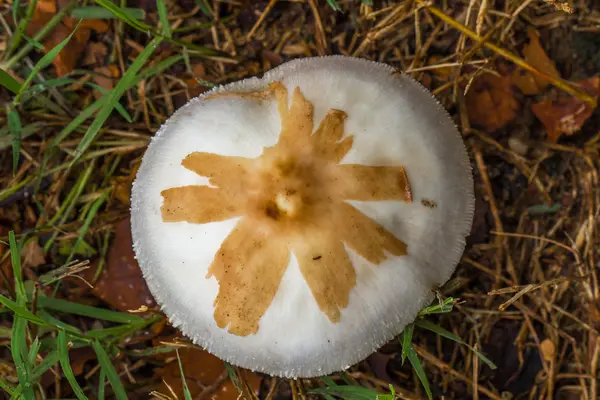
pixel 292 198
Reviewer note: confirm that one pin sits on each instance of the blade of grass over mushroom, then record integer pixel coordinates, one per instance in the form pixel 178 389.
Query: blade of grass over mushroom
pixel 9 82
pixel 95 12
pixel 14 123
pixel 66 365
pixel 109 370
pixel 114 96
pixel 422 323
pixel 566 86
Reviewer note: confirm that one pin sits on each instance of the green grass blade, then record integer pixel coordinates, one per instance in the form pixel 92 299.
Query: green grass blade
pixel 14 124
pixel 88 221
pixel 407 340
pixel 205 8
pixel 34 43
pixel 49 361
pixel 65 364
pixel 412 356
pixel 124 16
pixel 347 392
pixel 334 5
pixel 449 335
pixel 186 391
pixel 114 96
pixel 9 82
pixel 86 311
pixel 80 119
pixel 50 320
pixel 7 387
pixel 33 351
pixel 95 12
pixel 21 311
pixel 164 18
pixel 110 371
pixel 44 62
pixel 18 349
pixel 26 131
pixel 446 306
pixel 15 258
pixel 101 385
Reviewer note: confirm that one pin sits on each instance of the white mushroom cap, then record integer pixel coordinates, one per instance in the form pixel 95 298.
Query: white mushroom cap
pixel 294 224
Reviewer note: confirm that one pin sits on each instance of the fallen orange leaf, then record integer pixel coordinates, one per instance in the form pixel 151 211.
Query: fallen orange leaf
pixel 105 78
pixel 33 255
pixel 204 373
pixel 534 54
pixel 121 283
pixel 66 60
pixel 490 102
pixel 566 115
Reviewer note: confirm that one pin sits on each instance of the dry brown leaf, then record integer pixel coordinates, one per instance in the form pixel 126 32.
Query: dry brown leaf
pixel 490 102
pixel 95 53
pixel 195 88
pixel 535 55
pixel 204 373
pixel 121 283
pixel 33 254
pixel 105 77
pixel 566 115
pixel 65 61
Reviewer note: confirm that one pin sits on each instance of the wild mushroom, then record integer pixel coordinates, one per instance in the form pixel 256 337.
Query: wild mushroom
pixel 295 223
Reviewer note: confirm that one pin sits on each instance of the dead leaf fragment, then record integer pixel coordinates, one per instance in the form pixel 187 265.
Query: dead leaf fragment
pixel 95 53
pixel 205 374
pixel 534 54
pixel 566 115
pixel 33 254
pixel 105 77
pixel 490 102
pixel 66 60
pixel 121 283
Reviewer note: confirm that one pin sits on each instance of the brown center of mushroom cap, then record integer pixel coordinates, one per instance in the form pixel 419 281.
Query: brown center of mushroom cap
pixel 292 199
pixel 289 191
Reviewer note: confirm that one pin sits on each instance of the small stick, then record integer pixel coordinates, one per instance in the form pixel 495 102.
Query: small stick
pixel 261 19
